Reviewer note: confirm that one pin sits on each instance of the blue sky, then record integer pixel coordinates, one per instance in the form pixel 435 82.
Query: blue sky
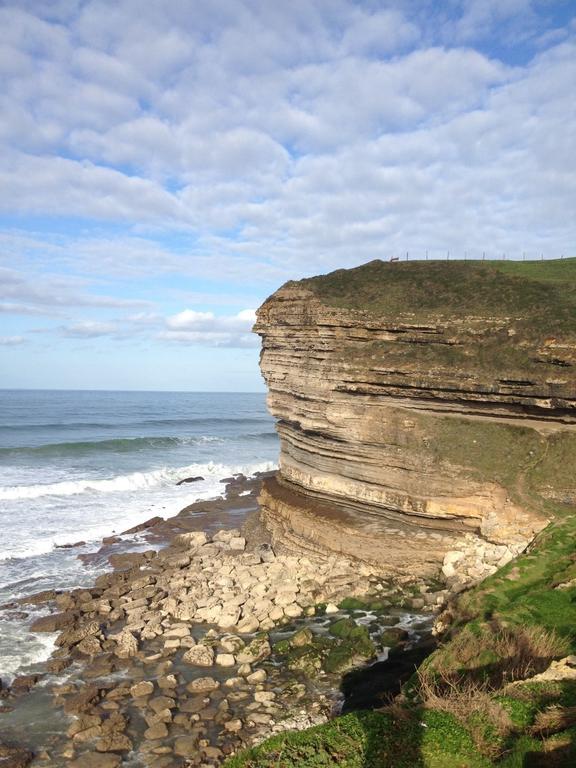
pixel 166 165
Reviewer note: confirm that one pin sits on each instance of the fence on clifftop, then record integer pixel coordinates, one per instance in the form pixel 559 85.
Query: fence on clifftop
pixel 439 255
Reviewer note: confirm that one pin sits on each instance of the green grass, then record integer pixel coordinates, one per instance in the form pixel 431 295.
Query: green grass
pixel 523 592
pixel 426 739
pixel 545 290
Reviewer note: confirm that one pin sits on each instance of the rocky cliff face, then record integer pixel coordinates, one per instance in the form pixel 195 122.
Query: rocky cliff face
pixel 423 409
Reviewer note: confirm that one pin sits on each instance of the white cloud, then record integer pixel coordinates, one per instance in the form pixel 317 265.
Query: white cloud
pixel 27 294
pixel 206 328
pixel 11 341
pixel 88 329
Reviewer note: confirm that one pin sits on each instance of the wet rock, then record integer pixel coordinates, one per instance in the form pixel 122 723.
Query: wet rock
pixel 145 525
pixel 257 650
pixel 161 703
pixel 83 723
pixel 95 760
pixel 53 623
pixel 90 646
pixel 144 688
pixel 225 660
pixel 126 560
pixel 190 480
pixel 23 683
pixel 259 676
pixel 39 598
pixel 126 644
pixel 203 685
pixel 186 746
pixel 167 682
pixel 302 637
pixel 156 731
pixel 14 756
pixel 116 742
pixel 73 635
pixel 200 656
pixel 82 701
pixel 392 636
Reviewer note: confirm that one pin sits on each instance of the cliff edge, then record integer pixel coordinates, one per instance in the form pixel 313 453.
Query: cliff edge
pixel 426 411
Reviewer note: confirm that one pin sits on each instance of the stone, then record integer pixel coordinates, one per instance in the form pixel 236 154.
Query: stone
pixel 257 650
pixel 231 643
pixel 237 544
pixel 95 760
pixel 160 703
pixel 199 655
pixel 81 701
pixel 276 614
pixel 186 746
pixel 233 726
pixel 144 688
pixel 331 608
pixel 203 685
pixel 258 676
pixel 167 682
pixel 248 624
pixel 156 731
pixel 293 611
pixel 264 696
pixel 55 622
pixel 126 645
pixel 117 742
pixel 225 660
pixel 301 638
pixel 229 617
pixel 90 646
pixel 15 756
pixel 192 538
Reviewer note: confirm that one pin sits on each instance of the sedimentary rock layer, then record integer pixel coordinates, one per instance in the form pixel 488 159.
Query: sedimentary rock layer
pixel 407 420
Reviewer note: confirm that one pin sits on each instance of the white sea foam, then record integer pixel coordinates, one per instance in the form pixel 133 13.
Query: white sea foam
pixel 115 504
pixel 132 482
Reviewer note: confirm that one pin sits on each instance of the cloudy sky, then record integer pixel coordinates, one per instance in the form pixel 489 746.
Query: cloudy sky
pixel 165 165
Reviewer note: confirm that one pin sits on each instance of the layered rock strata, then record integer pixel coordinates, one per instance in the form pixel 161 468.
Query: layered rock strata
pixel 408 432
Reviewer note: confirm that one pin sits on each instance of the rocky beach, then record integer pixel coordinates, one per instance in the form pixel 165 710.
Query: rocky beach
pixel 205 644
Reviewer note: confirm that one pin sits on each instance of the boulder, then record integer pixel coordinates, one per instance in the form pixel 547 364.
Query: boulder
pixel 203 685
pixel 144 688
pixel 55 622
pixel 200 656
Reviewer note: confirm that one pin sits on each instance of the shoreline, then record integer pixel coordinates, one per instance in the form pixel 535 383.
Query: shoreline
pixel 208 648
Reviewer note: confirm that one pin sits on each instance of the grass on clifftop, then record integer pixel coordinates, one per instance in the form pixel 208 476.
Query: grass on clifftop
pixel 542 291
pixel 472 703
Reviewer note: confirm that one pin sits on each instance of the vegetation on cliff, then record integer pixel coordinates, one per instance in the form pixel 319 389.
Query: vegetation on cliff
pixel 542 292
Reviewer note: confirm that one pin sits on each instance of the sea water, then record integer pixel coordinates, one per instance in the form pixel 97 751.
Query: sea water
pixel 77 466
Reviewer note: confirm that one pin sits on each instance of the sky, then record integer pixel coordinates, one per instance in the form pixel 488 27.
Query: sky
pixel 166 165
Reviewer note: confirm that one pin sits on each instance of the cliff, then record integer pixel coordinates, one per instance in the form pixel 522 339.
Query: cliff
pixel 423 408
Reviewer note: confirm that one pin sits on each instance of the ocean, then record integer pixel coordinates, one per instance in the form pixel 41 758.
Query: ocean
pixel 77 466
